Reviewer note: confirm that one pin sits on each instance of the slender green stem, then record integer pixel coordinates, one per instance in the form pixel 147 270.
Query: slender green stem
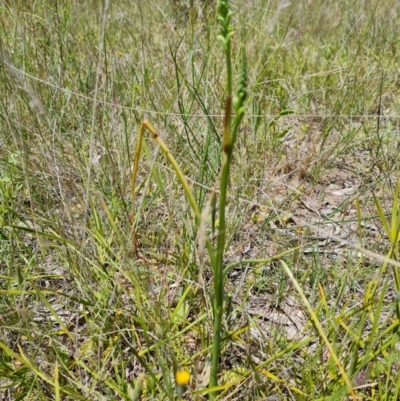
pixel 231 266
pixel 218 266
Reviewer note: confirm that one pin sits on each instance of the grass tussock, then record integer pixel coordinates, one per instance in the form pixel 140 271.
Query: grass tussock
pixel 102 299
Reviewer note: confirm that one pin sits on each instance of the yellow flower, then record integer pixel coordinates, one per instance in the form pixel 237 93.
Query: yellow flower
pixel 182 377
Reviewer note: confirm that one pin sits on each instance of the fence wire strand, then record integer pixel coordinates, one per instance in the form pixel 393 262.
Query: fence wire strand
pixel 165 113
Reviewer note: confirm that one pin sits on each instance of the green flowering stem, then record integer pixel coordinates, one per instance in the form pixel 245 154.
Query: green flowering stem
pixel 230 133
pixel 219 280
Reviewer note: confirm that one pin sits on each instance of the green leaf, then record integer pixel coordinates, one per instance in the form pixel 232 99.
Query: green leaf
pixel 382 218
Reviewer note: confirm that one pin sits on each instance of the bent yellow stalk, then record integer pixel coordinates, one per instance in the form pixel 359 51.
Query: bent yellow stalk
pixel 147 125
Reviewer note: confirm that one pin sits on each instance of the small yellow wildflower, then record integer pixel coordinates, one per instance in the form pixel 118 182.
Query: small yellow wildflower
pixel 182 377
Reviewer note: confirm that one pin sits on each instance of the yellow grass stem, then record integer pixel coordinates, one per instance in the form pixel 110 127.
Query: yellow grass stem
pixel 147 125
pixel 319 328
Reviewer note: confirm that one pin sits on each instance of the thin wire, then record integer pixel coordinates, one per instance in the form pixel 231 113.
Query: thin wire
pixel 164 113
